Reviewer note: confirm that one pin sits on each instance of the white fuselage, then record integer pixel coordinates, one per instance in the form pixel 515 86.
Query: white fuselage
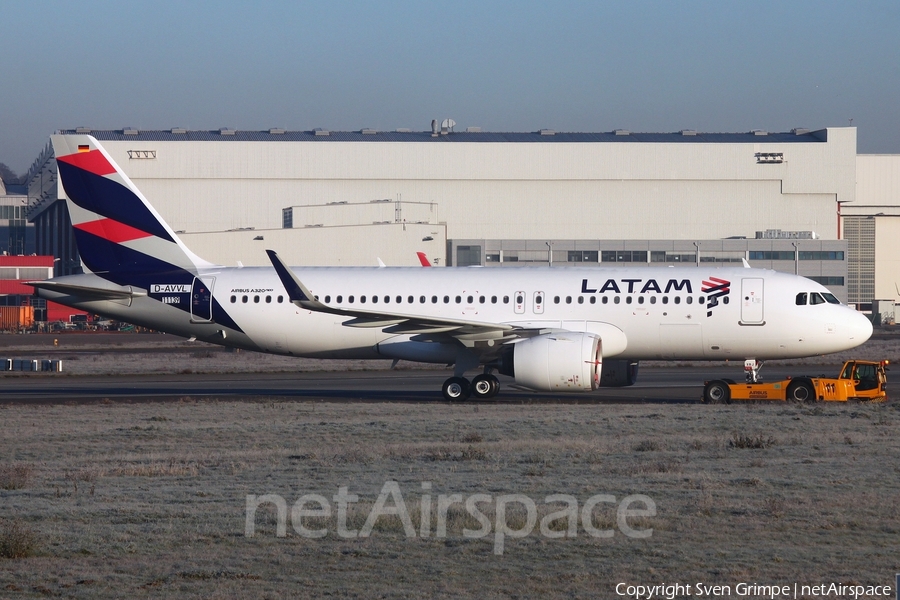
pixel 640 313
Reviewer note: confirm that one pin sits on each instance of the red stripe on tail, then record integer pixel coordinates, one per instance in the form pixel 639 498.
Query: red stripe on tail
pixel 112 231
pixel 93 162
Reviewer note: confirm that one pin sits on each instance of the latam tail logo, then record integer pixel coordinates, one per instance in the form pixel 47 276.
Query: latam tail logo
pixel 714 289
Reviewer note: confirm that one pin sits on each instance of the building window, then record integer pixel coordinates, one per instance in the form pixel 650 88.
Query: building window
pixel 467 256
pixel 837 281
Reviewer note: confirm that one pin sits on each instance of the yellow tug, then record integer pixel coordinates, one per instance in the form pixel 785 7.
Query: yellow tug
pixel 859 380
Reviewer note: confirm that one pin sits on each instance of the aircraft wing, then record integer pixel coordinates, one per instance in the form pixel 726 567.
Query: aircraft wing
pixel 390 322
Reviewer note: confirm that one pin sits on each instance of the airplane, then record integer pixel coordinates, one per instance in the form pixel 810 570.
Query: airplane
pixel 553 329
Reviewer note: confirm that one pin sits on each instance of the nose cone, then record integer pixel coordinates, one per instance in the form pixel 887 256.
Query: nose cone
pixel 859 327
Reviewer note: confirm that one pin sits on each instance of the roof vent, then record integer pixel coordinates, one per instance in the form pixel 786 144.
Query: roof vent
pixel 621 132
pixel 759 132
pixel 800 131
pixel 473 129
pixel 180 130
pixel 276 131
pixel 226 131
pixel 319 131
pixel 547 132
pixel 368 131
pixel 688 132
pixel 129 131
pixel 83 130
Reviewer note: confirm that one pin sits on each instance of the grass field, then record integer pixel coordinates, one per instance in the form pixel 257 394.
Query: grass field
pixel 150 500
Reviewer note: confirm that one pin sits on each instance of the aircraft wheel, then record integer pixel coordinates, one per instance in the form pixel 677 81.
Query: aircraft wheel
pixel 801 391
pixel 485 386
pixel 717 392
pixel 456 389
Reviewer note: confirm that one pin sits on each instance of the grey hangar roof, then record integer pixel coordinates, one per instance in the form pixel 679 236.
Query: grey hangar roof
pixel 544 136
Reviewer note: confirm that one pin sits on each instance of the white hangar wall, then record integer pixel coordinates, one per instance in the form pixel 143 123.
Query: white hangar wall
pixel 507 189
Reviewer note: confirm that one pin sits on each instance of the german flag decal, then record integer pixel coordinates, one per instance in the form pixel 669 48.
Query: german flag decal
pixel 84 148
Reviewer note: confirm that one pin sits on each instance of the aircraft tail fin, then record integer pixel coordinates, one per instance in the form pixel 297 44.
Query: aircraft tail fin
pixel 119 235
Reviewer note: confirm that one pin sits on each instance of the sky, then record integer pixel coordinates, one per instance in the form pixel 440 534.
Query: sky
pixel 712 66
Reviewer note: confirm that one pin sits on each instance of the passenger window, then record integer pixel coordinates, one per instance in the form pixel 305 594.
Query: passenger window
pixel 481 299
pixel 617 299
pixel 269 299
pixel 593 299
pixel 374 299
pixel 387 299
pixel 677 299
pixel 350 299
pixel 640 299
pixel 652 299
pixel 605 300
pixel 327 299
pixel 520 300
pixel 665 299
pixel 362 300
pixel 340 299
pixel 493 299
pixel 701 299
pixel 469 300
pixel 580 299
pixel 801 299
pixel 458 299
pixel 244 299
pixel 433 299
pixel 256 299
pixel 689 299
pixel 628 300
pixel 555 299
pixel 505 299
pixel 446 299
pixel 233 299
pixel 280 299
pixel 410 299
pixel 568 299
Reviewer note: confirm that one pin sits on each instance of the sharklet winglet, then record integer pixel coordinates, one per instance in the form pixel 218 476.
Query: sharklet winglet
pixel 297 292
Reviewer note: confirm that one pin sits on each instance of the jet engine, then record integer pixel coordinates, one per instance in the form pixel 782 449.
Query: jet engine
pixel 567 361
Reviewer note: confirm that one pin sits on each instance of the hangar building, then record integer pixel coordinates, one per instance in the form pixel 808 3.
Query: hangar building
pixel 493 199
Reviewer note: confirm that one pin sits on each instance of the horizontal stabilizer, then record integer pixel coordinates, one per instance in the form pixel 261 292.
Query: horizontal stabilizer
pixel 98 293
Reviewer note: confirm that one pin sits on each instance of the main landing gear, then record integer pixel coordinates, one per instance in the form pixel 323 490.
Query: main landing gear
pixel 484 386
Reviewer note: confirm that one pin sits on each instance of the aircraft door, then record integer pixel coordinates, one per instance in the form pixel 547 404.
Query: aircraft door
pixel 519 302
pixel 201 300
pixel 538 303
pixel 752 301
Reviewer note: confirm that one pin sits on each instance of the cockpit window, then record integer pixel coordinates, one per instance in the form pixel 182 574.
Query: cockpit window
pixel 816 298
pixel 801 299
pixel 830 298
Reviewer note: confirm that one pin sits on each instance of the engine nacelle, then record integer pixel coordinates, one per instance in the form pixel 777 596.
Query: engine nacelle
pixel 618 373
pixel 568 361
